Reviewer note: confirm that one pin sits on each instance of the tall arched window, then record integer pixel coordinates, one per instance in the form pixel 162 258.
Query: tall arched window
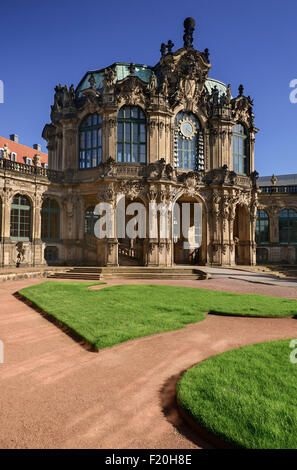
pixel 90 220
pixel 240 149
pixel 20 218
pixel 188 142
pixel 90 141
pixel 262 227
pixel 131 135
pixel 288 226
pixel 50 220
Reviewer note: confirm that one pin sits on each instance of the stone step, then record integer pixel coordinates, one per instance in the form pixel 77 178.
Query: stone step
pixel 82 276
pixel 151 276
pixel 139 269
pixel 129 272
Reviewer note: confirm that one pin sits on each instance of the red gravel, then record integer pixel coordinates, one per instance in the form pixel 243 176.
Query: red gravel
pixel 55 394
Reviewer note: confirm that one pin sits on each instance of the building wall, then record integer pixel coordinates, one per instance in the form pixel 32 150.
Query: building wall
pixel 275 252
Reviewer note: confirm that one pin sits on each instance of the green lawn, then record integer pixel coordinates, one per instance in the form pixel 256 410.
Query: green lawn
pixel 247 397
pixel 115 314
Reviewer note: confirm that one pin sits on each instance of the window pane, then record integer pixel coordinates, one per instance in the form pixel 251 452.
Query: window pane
pixel 120 152
pixel 142 133
pixel 127 153
pixel 127 132
pixel 120 132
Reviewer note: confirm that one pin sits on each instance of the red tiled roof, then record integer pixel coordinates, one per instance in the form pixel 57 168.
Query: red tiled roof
pixel 22 151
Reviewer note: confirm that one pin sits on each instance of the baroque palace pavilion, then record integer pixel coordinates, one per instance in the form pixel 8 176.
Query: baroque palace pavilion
pixel 155 134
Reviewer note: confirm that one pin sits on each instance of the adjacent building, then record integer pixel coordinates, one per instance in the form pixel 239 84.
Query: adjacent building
pixel 276 227
pixel 11 149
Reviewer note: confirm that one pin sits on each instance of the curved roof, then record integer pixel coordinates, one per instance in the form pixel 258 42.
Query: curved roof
pixel 144 72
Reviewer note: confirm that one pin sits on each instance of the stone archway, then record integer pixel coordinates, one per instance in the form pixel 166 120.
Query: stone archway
pixel 181 253
pixel 241 235
pixel 130 250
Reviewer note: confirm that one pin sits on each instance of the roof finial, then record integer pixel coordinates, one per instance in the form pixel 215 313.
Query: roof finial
pixel 240 90
pixel 189 25
pixel 206 54
pixel 170 46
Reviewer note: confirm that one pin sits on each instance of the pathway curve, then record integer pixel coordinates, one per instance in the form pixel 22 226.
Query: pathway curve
pixel 55 394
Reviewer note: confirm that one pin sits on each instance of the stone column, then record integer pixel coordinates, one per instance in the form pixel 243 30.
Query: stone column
pixel 37 249
pixel 108 245
pixel 225 245
pixel 109 133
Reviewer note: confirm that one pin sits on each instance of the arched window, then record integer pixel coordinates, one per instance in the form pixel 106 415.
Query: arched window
pixel 262 227
pixel 131 135
pixel 239 149
pixel 50 220
pixel 287 226
pixel 90 220
pixel 90 141
pixel 188 142
pixel 20 218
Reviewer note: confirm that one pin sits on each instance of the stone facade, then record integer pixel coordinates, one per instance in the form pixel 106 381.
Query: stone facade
pixel 178 83
pixel 278 195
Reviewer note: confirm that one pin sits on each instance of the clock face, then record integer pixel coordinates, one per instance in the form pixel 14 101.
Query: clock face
pixel 187 129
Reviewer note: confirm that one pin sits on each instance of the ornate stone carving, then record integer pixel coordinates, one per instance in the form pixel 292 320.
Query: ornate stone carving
pixel 107 193
pixel 132 90
pixel 107 168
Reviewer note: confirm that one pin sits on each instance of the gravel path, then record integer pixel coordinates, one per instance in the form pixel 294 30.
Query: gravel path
pixel 55 394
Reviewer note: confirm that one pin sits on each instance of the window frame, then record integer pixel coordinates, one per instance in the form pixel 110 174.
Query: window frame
pixel 47 215
pixel 262 222
pixel 96 144
pixel 21 208
pixel 288 227
pixel 240 158
pixel 129 122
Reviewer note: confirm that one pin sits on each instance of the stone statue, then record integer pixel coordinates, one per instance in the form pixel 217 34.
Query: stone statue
pixel 20 253
pixel 189 25
pixel 163 49
pixel 152 83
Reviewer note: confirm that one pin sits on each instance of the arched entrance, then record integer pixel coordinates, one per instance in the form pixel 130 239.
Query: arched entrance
pixel 241 235
pixel 130 248
pixel 189 231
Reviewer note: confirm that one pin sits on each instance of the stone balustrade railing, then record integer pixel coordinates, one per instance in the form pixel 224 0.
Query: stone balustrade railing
pixel 33 170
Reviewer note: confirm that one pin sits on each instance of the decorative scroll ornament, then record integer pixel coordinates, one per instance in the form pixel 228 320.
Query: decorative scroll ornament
pixel 187 128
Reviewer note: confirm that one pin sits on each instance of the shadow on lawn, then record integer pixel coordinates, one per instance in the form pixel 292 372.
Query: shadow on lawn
pixel 176 415
pixel 66 329
pixel 170 411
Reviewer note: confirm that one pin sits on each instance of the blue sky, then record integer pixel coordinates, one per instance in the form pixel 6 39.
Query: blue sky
pixel 254 43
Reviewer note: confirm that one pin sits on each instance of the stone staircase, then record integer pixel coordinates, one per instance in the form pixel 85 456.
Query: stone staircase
pixel 130 272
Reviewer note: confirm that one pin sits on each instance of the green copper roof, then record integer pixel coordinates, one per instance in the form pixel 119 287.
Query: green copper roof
pixel 144 72
pixel 211 83
pixel 122 70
